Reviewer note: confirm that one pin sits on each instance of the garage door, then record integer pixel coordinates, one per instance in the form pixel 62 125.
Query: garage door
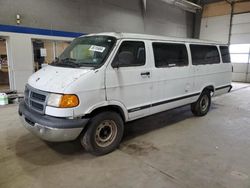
pixel 240 47
pixel 241 29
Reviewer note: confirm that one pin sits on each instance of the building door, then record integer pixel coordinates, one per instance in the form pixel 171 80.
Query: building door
pixel 4 68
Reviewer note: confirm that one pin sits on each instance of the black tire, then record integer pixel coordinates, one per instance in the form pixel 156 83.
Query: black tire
pixel 202 105
pixel 104 133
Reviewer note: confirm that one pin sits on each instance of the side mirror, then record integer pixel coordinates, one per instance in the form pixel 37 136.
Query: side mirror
pixel 124 58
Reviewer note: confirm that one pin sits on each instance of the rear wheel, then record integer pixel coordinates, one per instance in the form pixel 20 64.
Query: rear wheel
pixel 104 133
pixel 202 105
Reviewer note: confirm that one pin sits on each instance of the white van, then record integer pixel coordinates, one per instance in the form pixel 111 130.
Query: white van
pixel 103 80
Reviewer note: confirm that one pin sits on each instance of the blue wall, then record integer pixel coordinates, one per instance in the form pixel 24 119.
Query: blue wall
pixel 37 31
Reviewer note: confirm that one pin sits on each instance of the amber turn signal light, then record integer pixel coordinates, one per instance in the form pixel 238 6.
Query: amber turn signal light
pixel 69 101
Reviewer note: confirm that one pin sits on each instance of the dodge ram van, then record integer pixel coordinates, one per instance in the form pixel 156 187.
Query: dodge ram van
pixel 103 80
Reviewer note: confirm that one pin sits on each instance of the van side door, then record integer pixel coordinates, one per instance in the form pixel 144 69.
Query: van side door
pixel 173 76
pixel 128 78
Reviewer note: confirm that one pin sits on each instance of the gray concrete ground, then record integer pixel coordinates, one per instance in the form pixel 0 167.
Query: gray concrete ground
pixel 170 149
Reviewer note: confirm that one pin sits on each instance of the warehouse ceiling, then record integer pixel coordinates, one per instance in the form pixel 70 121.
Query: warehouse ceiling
pixel 184 4
pixel 193 6
pixel 187 5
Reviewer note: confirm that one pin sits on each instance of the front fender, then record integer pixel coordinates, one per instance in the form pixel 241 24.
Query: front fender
pixel 109 103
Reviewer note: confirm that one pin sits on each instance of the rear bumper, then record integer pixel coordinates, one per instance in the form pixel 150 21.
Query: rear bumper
pixel 50 128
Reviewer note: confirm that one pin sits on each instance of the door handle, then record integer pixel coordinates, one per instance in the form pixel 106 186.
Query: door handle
pixel 145 73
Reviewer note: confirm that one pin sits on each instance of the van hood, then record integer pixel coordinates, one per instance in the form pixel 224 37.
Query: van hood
pixel 56 79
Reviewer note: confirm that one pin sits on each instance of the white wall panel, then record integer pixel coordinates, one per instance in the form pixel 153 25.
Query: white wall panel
pixel 215 28
pixel 240 73
pixel 241 18
pixel 241 29
pixel 248 78
pixel 239 77
pixel 240 67
pixel 240 38
pixel 21 61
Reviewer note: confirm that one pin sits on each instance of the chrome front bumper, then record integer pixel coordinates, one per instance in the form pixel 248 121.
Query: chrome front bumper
pixel 51 128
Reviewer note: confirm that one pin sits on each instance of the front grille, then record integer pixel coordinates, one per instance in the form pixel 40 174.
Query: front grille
pixel 38 96
pixel 36 105
pixel 35 99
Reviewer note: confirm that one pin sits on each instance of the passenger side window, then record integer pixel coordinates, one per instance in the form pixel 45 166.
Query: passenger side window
pixel 130 53
pixel 225 54
pixel 204 54
pixel 170 54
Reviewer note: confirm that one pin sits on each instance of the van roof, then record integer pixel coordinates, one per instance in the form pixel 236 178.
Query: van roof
pixel 153 37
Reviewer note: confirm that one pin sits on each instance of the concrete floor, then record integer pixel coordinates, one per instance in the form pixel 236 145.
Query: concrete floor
pixel 170 149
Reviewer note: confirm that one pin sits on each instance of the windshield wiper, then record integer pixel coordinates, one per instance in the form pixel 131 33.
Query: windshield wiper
pixel 68 59
pixel 88 64
pixel 63 64
pixel 66 62
pixel 70 62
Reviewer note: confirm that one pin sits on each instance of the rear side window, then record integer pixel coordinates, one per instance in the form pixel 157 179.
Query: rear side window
pixel 170 55
pixel 204 54
pixel 133 53
pixel 225 54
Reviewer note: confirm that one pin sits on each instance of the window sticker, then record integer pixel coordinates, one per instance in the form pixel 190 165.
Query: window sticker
pixel 97 48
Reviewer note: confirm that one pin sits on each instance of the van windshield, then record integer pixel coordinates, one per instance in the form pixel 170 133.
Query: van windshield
pixel 90 51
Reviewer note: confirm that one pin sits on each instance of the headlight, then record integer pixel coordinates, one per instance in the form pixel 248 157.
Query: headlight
pixel 63 101
pixel 54 100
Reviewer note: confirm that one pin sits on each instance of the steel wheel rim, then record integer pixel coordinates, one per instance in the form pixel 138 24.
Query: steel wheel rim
pixel 106 133
pixel 204 103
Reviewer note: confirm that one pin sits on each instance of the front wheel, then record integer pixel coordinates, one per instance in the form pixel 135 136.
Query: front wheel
pixel 202 105
pixel 104 133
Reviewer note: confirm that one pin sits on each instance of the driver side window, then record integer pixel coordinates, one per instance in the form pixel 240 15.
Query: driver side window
pixel 131 53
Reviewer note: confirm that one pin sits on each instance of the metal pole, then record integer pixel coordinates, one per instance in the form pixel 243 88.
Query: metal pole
pixel 231 21
pixel 248 64
pixel 197 17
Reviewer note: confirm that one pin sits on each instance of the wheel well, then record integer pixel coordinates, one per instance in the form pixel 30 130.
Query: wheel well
pixel 108 108
pixel 209 88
